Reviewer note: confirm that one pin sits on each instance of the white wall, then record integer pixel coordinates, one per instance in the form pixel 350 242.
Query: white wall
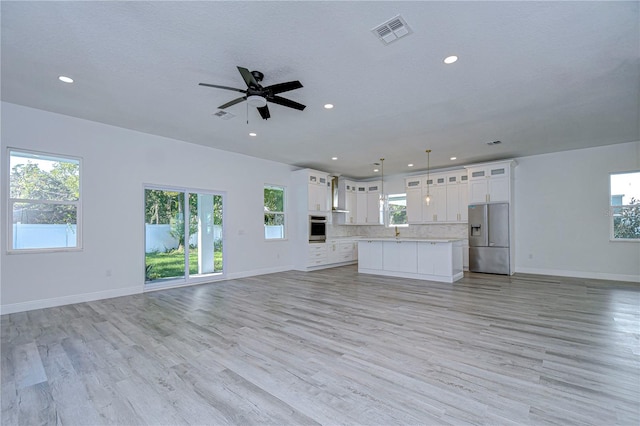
pixel 561 209
pixel 116 163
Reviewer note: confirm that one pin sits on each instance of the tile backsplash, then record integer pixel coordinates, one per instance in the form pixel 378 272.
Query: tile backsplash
pixel 448 230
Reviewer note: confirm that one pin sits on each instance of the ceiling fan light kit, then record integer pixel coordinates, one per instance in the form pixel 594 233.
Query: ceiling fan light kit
pixel 258 96
pixel 256 101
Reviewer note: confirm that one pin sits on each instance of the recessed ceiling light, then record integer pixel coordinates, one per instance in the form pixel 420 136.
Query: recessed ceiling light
pixel 253 134
pixel 410 165
pixel 65 79
pixel 334 158
pixel 450 59
pixel 453 158
pixel 376 170
pixel 328 106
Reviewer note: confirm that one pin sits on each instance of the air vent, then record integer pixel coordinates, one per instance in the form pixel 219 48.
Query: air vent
pixel 392 30
pixel 224 115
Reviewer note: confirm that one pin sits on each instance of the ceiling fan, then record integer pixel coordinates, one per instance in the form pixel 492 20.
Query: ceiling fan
pixel 258 96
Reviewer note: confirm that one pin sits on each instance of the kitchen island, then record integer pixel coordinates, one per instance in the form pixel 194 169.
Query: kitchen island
pixel 437 259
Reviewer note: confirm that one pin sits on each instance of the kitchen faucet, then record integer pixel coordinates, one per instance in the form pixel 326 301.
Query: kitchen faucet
pixel 397 232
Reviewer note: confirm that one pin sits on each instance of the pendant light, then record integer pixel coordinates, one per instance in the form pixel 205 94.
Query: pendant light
pixel 383 201
pixel 427 199
pixel 383 196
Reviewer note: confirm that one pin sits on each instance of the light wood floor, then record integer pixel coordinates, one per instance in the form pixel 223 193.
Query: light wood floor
pixel 332 347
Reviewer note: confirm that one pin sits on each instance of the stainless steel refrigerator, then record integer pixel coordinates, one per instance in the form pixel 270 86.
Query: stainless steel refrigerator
pixel 489 238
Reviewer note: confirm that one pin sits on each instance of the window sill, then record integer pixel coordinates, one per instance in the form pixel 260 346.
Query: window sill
pixel 44 250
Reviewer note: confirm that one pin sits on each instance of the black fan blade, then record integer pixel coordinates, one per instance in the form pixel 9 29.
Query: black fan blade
pixel 284 87
pixel 248 77
pixel 233 102
pixel 286 102
pixel 264 112
pixel 223 87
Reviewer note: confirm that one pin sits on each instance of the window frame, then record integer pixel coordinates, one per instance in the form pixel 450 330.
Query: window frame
pixel 388 211
pixel 11 201
pixel 187 279
pixel 612 208
pixel 283 213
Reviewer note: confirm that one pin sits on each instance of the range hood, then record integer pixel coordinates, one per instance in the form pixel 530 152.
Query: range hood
pixel 335 207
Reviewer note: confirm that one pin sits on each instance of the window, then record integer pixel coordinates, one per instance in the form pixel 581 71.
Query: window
pixel 625 206
pixel 398 210
pixel 274 217
pixel 183 234
pixel 44 202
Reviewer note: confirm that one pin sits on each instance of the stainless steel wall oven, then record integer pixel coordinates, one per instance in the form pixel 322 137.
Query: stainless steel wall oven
pixel 317 229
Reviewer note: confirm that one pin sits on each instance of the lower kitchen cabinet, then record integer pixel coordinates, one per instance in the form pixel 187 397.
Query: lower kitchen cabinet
pixel 317 254
pixel 400 256
pixel 335 252
pixel 428 259
pixel 435 259
pixel 370 255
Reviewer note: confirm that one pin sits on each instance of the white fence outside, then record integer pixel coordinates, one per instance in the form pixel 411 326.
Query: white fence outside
pixel 158 238
pixel 273 231
pixel 35 236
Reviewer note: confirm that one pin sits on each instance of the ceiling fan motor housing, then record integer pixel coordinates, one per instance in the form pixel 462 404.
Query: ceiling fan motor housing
pixel 257 75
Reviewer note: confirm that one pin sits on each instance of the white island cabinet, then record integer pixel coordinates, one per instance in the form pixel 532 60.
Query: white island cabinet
pixel 423 259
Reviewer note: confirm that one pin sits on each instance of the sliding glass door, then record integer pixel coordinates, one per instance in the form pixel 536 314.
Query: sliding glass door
pixel 183 234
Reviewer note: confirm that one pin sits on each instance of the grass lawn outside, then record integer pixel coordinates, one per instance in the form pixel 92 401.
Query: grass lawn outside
pixel 171 264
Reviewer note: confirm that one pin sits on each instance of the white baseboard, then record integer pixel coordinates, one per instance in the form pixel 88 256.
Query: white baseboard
pixel 579 274
pixel 67 300
pixel 254 272
pixel 108 294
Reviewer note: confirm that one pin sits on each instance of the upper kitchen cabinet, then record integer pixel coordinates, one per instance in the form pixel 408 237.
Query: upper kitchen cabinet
pixel 413 187
pixel 435 185
pixel 417 188
pixel 490 182
pixel 319 191
pixel 374 214
pixel 457 196
pixel 347 202
pixel 314 187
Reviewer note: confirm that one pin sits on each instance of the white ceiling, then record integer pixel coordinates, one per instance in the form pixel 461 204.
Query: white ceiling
pixel 538 76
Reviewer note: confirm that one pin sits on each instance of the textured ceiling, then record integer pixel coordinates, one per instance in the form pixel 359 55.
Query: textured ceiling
pixel 539 76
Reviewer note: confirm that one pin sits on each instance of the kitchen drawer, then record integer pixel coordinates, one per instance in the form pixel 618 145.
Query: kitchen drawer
pixel 317 261
pixel 346 247
pixel 317 248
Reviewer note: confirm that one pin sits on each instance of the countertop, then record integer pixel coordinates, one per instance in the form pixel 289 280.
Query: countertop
pixel 413 239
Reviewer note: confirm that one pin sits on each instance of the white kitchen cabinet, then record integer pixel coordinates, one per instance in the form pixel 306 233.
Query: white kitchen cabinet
pixel 414 205
pixel 346 249
pixel 400 256
pixel 446 205
pixel 347 200
pixel 428 259
pixel 370 255
pixel 374 215
pixel 319 192
pixel 413 189
pixel 457 197
pixel 361 204
pixel 490 183
pixel 435 259
pixel 317 254
pixel 333 251
pixel 339 251
pixel 436 210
